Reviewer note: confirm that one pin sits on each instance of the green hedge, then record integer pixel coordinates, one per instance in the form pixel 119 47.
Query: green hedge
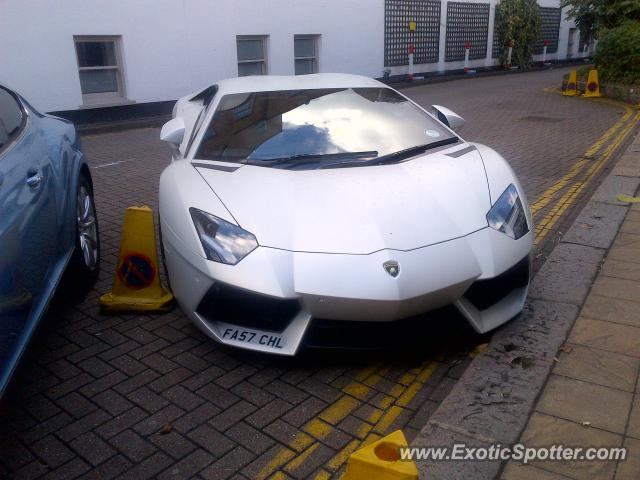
pixel 618 54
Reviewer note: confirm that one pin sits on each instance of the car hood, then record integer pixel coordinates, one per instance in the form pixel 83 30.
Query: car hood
pixel 359 210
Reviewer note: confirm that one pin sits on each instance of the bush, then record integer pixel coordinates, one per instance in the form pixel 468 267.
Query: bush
pixel 618 54
pixel 517 21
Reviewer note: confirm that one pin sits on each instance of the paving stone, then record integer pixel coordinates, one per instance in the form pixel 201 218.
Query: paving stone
pixel 544 430
pixel 112 468
pixel 90 447
pixel 249 437
pixel 42 408
pixel 519 471
pixel 217 395
pixel 567 274
pixel 173 444
pixel 155 422
pixel 211 440
pixel 52 451
pixel 288 435
pixel 614 185
pixel 70 470
pixel 268 413
pixel 304 411
pixel 258 466
pixel 188 466
pixel 599 366
pixel 612 310
pixel 196 417
pixel 629 468
pixel 228 464
pixel 582 402
pixel 311 459
pixel 85 424
pixel 121 422
pixel 617 288
pixel 596 225
pixel 135 447
pixel 609 336
pixel 625 254
pixel 633 429
pixel 149 468
pixel 253 394
pixel 631 227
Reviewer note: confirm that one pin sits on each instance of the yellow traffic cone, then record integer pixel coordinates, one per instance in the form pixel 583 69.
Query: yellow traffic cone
pixel 136 286
pixel 571 89
pixel 381 461
pixel 593 85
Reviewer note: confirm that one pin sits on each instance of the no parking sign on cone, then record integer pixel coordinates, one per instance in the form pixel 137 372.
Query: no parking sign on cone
pixel 136 286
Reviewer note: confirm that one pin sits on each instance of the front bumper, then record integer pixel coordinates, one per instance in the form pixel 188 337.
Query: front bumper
pixel 268 300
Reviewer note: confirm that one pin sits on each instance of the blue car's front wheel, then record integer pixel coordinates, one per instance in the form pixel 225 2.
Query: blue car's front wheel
pixel 86 256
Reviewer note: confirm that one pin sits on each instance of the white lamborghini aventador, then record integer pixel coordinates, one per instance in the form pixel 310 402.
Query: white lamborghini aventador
pixel 294 200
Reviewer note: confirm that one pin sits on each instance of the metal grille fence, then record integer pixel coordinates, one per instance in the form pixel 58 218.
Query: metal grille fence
pixel 466 22
pixel 549 30
pixel 397 35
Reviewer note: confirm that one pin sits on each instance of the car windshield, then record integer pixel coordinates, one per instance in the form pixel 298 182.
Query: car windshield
pixel 319 128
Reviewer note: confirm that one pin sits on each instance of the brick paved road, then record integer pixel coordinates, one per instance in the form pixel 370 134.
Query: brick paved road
pixel 148 396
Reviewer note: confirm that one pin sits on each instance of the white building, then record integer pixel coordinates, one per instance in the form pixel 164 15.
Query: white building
pixel 79 54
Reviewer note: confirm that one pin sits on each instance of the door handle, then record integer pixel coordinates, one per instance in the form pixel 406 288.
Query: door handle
pixel 34 178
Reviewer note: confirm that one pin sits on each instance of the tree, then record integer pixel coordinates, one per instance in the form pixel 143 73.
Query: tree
pixel 592 17
pixel 517 22
pixel 618 54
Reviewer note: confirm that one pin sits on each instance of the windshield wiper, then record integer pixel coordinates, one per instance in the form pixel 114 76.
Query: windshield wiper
pixel 411 152
pixel 311 158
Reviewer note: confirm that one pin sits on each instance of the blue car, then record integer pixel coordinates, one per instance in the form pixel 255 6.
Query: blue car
pixel 48 221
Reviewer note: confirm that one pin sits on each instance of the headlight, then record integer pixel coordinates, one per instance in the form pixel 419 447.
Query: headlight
pixel 222 241
pixel 507 214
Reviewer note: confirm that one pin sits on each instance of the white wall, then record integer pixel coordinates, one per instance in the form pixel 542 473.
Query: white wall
pixel 173 47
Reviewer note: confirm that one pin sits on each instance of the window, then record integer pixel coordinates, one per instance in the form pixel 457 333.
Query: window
pixel 306 54
pixel 12 118
pixel 252 57
pixel 100 69
pixel 316 128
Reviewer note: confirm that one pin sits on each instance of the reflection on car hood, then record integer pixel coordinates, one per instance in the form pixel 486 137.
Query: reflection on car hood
pixel 358 210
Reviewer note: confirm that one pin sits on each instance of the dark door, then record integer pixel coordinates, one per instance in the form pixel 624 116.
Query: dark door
pixel 27 230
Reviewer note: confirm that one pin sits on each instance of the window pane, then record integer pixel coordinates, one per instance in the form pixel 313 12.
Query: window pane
pixel 305 47
pixel 250 50
pixel 10 115
pixel 98 81
pixel 96 54
pixel 264 126
pixel 251 68
pixel 305 66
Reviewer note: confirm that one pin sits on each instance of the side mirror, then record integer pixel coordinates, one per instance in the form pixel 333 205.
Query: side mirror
pixel 173 131
pixel 450 118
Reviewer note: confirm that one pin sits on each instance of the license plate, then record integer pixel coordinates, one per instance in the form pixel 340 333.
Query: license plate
pixel 240 335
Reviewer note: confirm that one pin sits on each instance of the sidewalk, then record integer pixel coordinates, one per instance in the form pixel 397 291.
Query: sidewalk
pixel 566 370
pixel 592 397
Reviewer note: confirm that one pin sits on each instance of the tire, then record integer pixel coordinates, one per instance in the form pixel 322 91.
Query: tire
pixel 84 265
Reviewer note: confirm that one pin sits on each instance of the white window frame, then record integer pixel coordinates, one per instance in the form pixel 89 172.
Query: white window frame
pixel 263 61
pixel 104 98
pixel 316 41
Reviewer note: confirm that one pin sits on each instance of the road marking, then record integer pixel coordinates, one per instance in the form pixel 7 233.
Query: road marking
pixel 545 225
pixel 112 163
pixel 381 418
pixel 550 192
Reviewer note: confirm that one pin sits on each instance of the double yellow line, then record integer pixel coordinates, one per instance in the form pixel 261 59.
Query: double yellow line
pixel 544 225
pixel 385 410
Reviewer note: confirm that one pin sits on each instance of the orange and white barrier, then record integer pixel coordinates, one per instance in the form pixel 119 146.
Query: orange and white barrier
pixel 411 50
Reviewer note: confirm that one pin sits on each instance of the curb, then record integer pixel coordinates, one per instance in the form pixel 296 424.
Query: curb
pixel 117 126
pixel 492 401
